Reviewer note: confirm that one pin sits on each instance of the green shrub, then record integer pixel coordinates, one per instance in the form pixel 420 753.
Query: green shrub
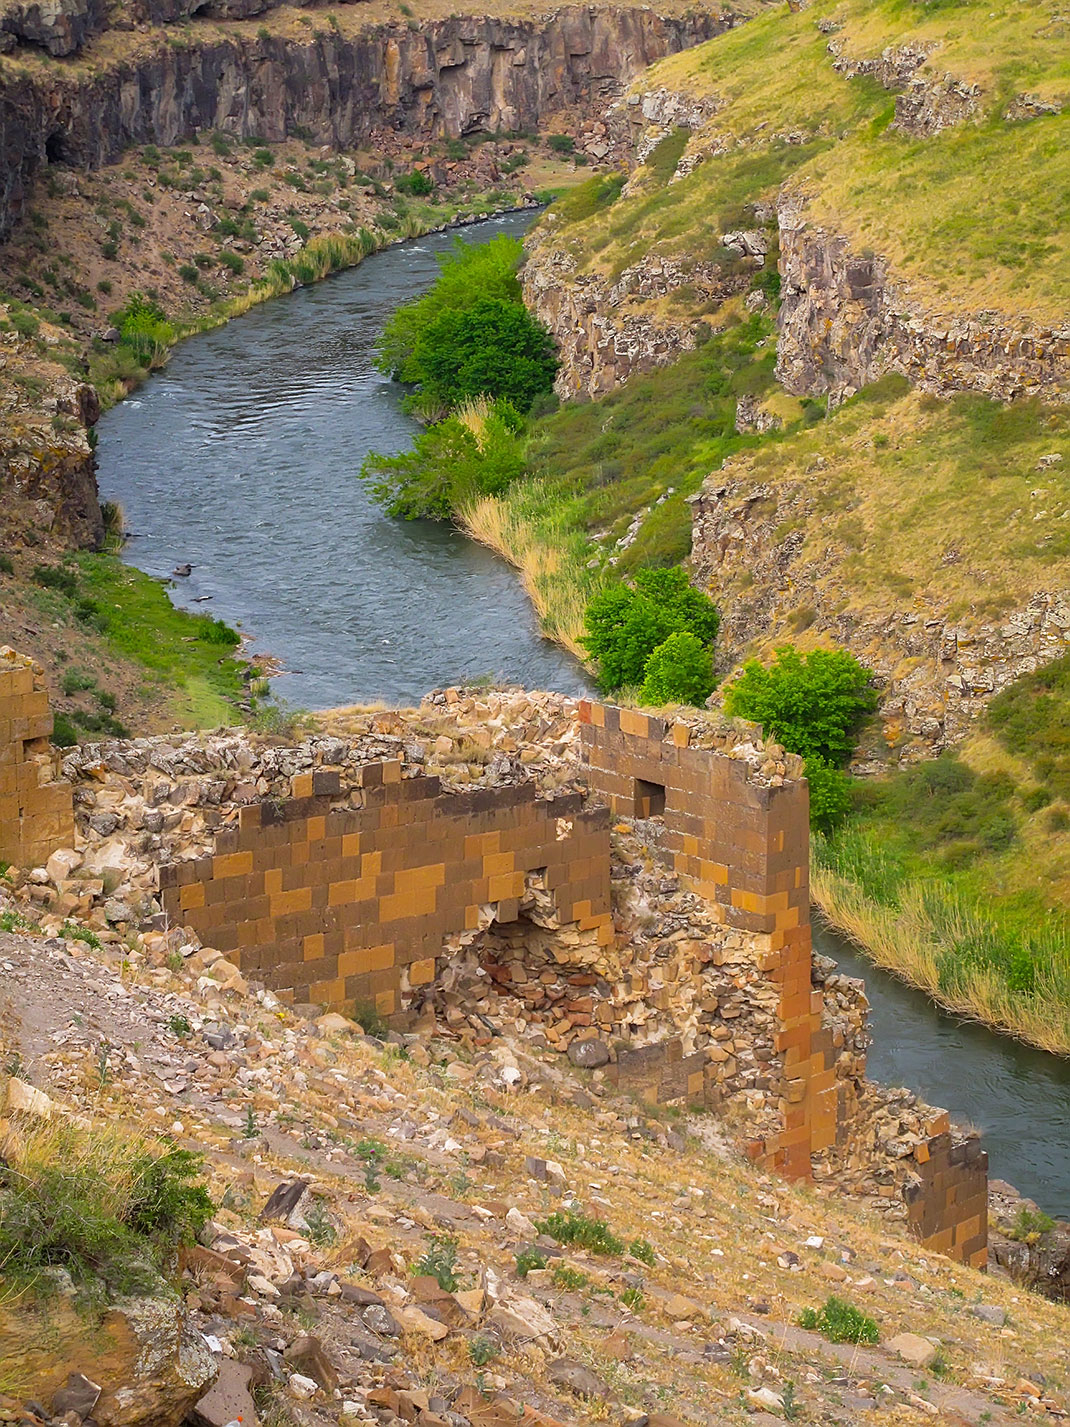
pixel 466 455
pixel 562 143
pixel 527 1259
pixel 234 261
pixel 366 1014
pixel 26 324
pixel 625 625
pixel 678 671
pixel 64 733
pixel 814 704
pixel 144 328
pixel 55 577
pixel 105 1210
pixel 6 565
pixel 216 631
pixel 188 272
pixel 471 335
pixel 643 1250
pixel 417 184
pixel 1031 1227
pixel 949 808
pixel 440 1262
pixel 75 681
pixel 568 1226
pixel 840 1322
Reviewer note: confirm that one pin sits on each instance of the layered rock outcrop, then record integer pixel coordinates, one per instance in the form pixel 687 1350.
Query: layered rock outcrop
pixel 446 78
pixel 936 674
pixel 601 330
pixel 845 321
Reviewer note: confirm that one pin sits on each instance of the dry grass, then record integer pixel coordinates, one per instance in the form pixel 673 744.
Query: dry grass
pixel 903 940
pixel 945 211
pixel 987 528
pixel 558 586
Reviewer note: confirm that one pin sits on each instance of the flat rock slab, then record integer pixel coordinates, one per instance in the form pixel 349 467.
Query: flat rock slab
pixel 227 1398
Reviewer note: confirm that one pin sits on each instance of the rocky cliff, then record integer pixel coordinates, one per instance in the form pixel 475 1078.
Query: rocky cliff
pixel 845 320
pixel 443 78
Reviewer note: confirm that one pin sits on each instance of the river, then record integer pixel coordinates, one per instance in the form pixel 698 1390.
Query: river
pixel 1019 1097
pixel 242 457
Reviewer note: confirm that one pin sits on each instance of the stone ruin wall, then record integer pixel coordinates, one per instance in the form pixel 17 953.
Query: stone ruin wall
pixel 374 883
pixel 36 808
pixel 357 903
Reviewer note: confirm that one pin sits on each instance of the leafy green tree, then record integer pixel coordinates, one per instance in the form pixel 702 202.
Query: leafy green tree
pixel 679 671
pixel 814 704
pixel 449 462
pixel 830 793
pixel 811 703
pixel 469 273
pixel 624 625
pixel 494 348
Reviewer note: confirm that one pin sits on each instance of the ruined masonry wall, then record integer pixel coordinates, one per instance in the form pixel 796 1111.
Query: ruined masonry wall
pixel 352 894
pixel 743 844
pixel 36 806
pixel 741 840
pixel 355 903
pixel 947 1197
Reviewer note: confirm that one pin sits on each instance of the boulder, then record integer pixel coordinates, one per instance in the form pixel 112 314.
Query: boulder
pixel 307 1357
pixel 916 1351
pixel 227 1399
pixel 589 1054
pixel 23 1099
pixel 577 1378
pixel 151 1366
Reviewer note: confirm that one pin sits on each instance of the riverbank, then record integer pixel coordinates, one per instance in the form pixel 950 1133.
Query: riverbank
pixel 925 938
pixel 165 245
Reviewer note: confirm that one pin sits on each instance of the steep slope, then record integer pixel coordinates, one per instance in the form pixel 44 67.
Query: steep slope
pixel 876 139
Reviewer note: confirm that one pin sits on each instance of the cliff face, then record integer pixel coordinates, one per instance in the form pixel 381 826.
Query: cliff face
pixel 444 79
pixel 844 322
pixel 602 333
pixel 936 672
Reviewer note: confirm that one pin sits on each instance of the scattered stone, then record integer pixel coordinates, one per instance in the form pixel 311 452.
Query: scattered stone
pixel 916 1351
pixel 80 1395
pixel 228 1399
pixel 568 1373
pixel 589 1054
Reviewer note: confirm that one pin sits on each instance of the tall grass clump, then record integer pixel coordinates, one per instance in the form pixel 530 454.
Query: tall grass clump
pixel 969 953
pixel 106 1207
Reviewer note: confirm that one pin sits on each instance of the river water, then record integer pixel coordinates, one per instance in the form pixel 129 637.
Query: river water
pixel 1018 1097
pixel 242 459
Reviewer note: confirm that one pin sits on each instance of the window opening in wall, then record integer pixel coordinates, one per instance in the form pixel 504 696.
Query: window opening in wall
pixel 649 799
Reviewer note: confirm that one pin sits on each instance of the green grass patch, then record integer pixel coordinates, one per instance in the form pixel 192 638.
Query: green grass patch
pixel 191 654
pixel 107 1209
pixel 581 1231
pixel 840 1322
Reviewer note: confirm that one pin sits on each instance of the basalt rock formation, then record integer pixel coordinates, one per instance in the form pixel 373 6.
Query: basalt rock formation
pixel 844 321
pixel 445 78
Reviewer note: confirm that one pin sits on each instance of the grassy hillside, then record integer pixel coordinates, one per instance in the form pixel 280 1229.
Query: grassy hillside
pixel 897 508
pixel 973 217
pixel 597 468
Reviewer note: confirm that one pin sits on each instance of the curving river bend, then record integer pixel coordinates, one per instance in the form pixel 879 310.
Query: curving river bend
pixel 242 459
